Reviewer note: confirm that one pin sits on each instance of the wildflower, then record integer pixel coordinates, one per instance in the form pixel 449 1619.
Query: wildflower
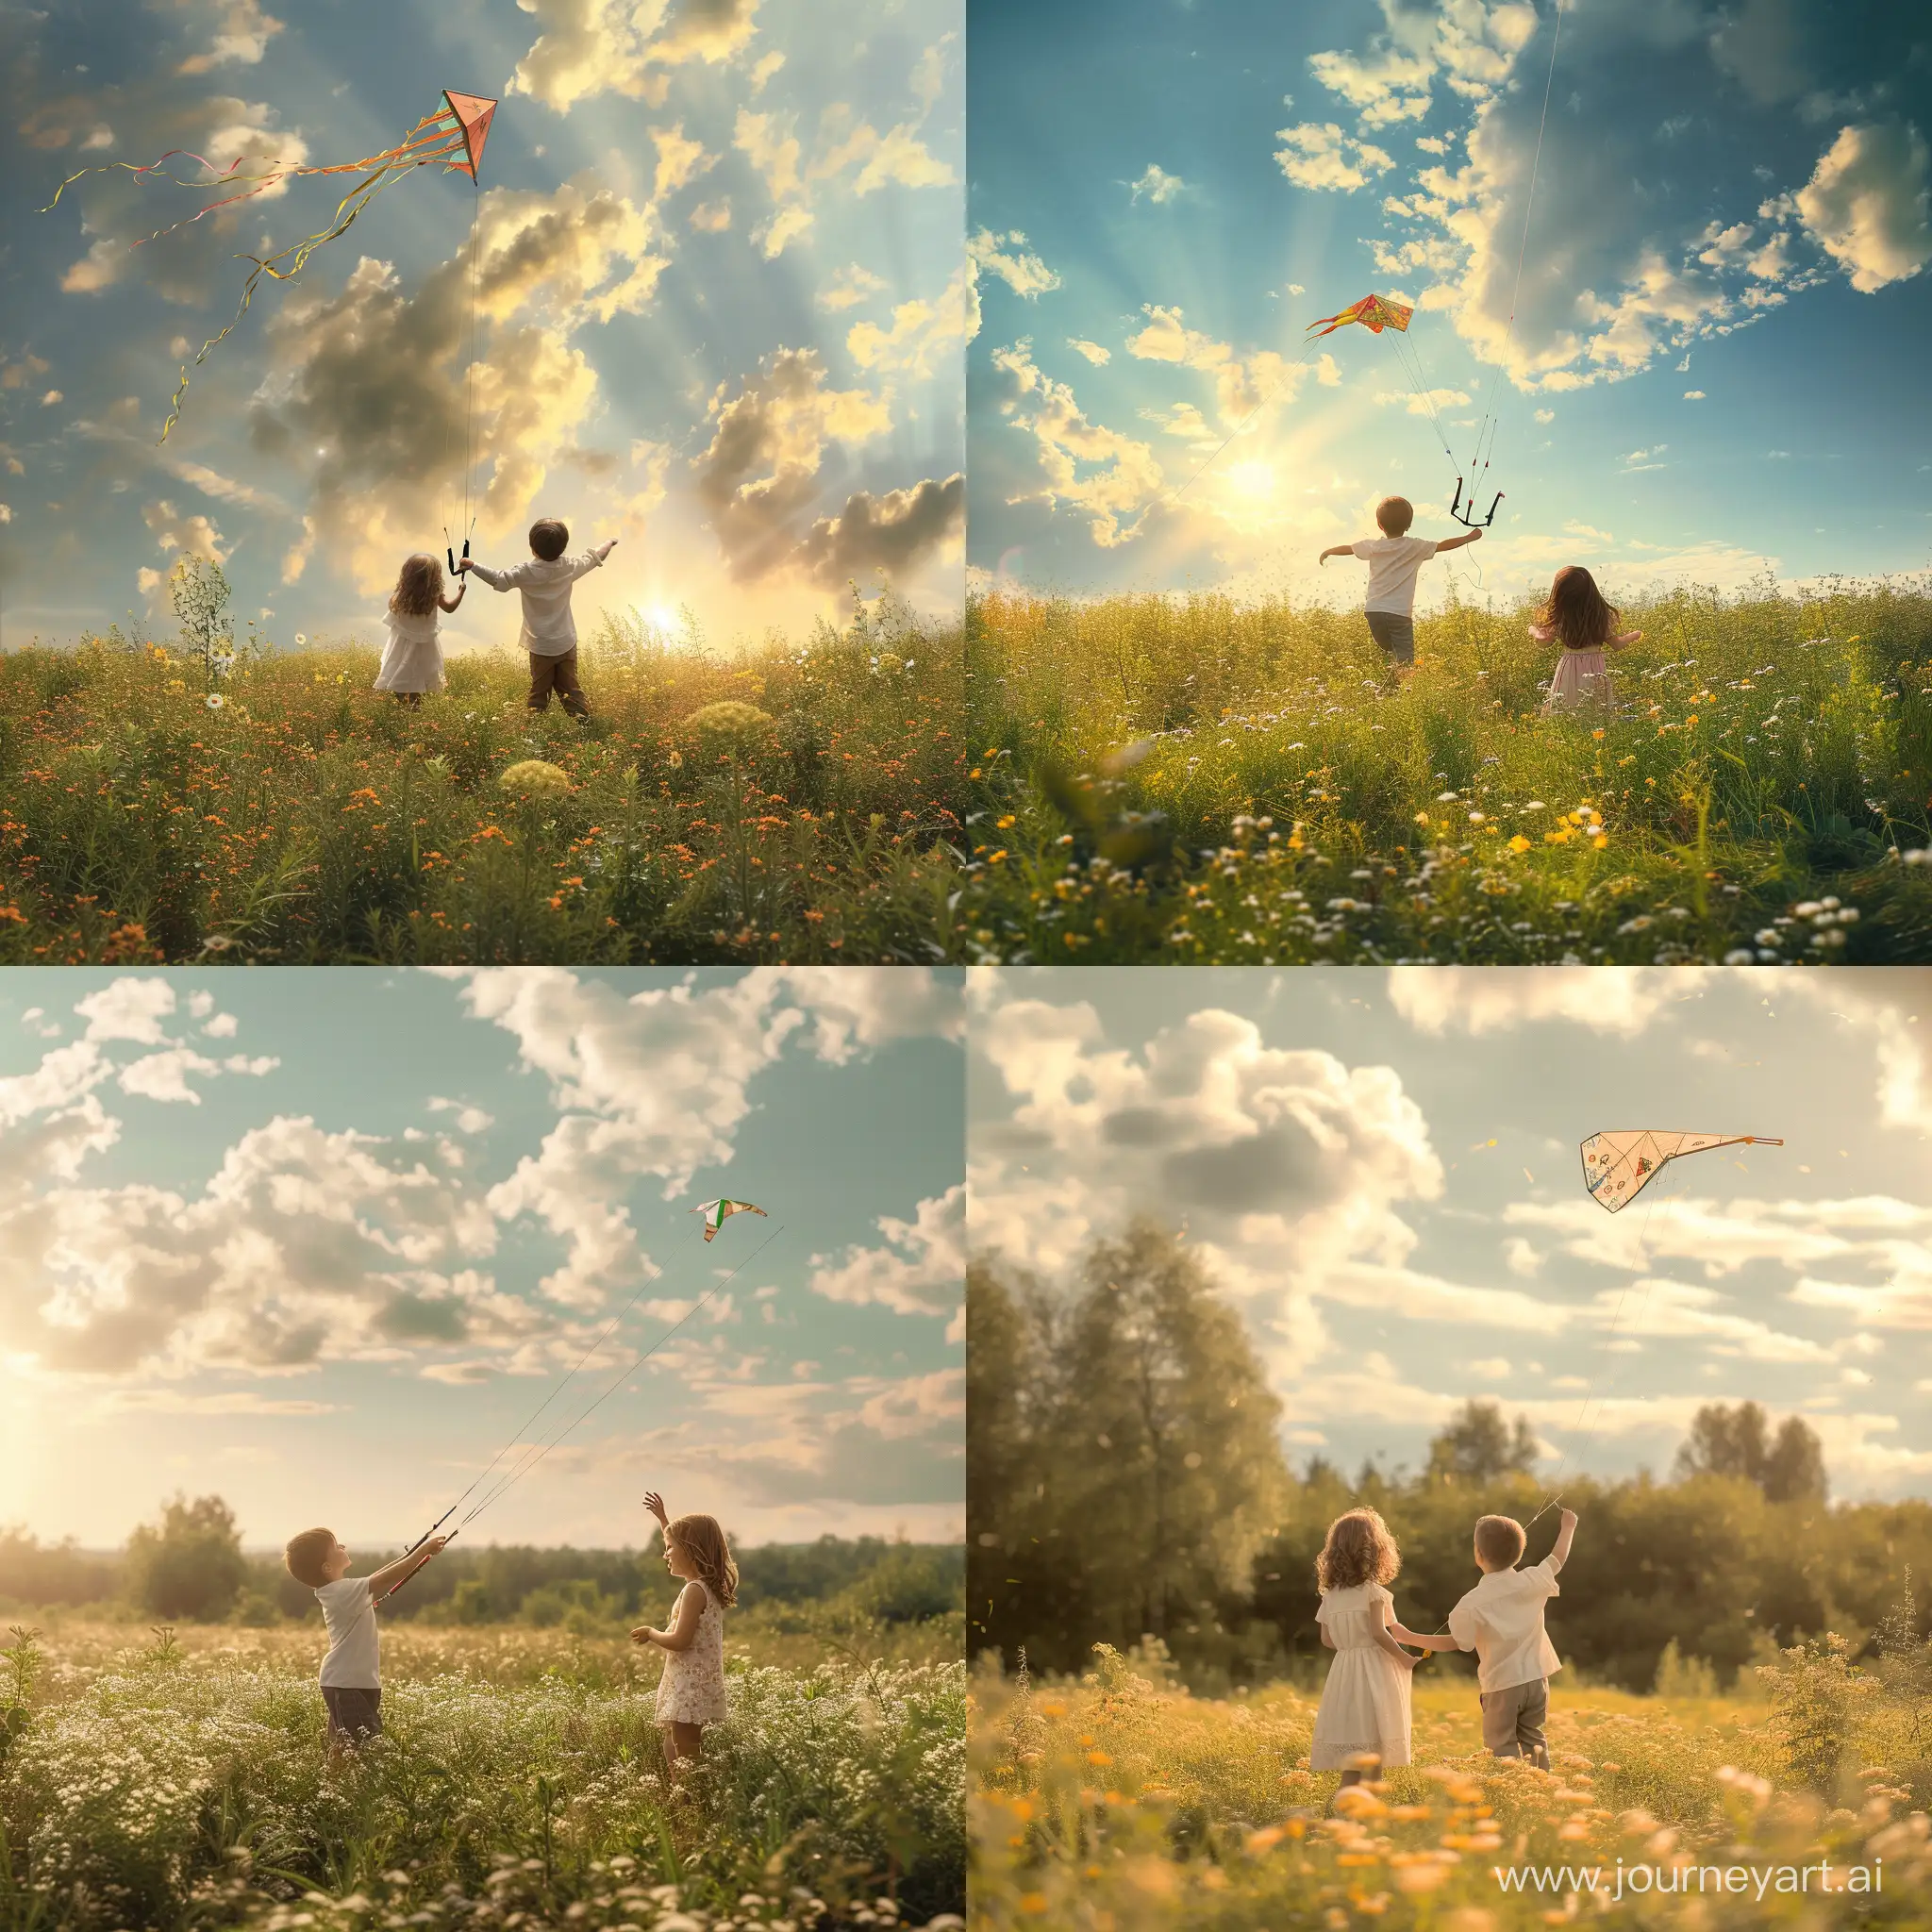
pixel 301 637
pixel 535 776
pixel 731 725
pixel 215 701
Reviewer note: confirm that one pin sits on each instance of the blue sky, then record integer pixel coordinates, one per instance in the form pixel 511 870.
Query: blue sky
pixel 718 255
pixel 320 1241
pixel 1381 1170
pixel 1717 360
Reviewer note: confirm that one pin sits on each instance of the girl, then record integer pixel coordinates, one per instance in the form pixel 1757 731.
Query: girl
pixel 412 658
pixel 1365 1708
pixel 1575 615
pixel 690 1693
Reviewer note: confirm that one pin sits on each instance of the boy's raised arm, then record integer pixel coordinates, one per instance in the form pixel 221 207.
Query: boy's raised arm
pixel 1337 550
pixel 496 579
pixel 1456 542
pixel 393 1576
pixel 1565 1535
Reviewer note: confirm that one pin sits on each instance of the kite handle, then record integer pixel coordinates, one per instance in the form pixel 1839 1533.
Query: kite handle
pixel 452 556
pixel 1456 507
pixel 417 1546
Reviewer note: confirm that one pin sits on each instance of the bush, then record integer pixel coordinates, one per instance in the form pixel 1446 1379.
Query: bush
pixel 188 1567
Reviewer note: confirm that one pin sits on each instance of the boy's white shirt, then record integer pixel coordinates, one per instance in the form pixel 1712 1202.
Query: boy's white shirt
pixel 1392 563
pixel 1502 1621
pixel 351 1662
pixel 549 629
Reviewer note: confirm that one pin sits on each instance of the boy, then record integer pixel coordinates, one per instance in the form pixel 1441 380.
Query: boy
pixel 1393 560
pixel 550 633
pixel 1502 1621
pixel 351 1675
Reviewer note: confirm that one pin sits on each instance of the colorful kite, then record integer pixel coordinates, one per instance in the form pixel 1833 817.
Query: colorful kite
pixel 1375 313
pixel 454 136
pixel 716 1213
pixel 1618 1167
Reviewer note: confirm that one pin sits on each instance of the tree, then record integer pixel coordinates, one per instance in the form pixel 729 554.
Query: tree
pixel 1477 1447
pixel 188 1567
pixel 1789 1468
pixel 1165 1466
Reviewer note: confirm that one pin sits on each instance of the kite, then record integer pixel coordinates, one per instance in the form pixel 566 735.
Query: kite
pixel 716 1213
pixel 1617 1167
pixel 452 136
pixel 1375 313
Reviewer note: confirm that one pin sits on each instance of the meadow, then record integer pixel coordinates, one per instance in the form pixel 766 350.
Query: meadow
pixel 179 1778
pixel 183 801
pixel 1118 1802
pixel 1193 780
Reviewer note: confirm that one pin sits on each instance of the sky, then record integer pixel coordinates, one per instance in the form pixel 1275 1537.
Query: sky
pixel 1715 366
pixel 321 1243
pixel 718 313
pixel 1380 1170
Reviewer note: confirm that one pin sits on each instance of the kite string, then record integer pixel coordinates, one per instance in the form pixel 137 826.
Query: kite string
pixel 470 412
pixel 516 1473
pixel 564 1380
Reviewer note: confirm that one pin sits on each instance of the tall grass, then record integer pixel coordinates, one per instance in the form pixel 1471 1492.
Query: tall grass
pixel 296 815
pixel 1190 778
pixel 170 1785
pixel 1123 1801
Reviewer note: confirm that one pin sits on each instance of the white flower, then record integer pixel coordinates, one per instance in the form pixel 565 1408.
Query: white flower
pixel 301 637
pixel 215 701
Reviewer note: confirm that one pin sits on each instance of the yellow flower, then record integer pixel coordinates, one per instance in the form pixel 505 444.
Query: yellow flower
pixel 1519 843
pixel 534 777
pixel 730 722
pixel 1006 824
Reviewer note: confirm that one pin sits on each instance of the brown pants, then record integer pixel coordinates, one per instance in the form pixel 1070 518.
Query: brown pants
pixel 1513 1722
pixel 559 674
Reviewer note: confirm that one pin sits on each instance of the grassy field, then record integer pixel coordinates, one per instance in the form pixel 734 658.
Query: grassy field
pixel 1192 779
pixel 1121 1806
pixel 282 810
pixel 183 1781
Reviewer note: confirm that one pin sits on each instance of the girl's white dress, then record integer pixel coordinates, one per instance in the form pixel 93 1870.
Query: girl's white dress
pixel 412 658
pixel 691 1690
pixel 1365 1702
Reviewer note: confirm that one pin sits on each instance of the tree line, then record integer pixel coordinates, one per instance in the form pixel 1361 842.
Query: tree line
pixel 1125 1480
pixel 189 1566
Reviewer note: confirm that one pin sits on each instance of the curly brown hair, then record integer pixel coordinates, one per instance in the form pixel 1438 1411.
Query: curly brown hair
pixel 419 590
pixel 703 1539
pixel 1359 1550
pixel 1576 612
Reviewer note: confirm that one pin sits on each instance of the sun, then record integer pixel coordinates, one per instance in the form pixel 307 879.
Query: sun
pixel 1252 480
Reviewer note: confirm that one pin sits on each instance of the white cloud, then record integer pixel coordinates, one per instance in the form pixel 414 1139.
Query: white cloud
pixel 1107 478
pixel 469 1119
pixel 1471 999
pixel 1093 351
pixel 919 1270
pixel 1157 185
pixel 1241 384
pixel 1868 204
pixel 1008 258
pixel 1319 154
pixel 588 47
pixel 128 1010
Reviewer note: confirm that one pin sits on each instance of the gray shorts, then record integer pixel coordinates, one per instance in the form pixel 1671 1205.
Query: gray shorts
pixel 1394 633
pixel 1513 1719
pixel 354 1714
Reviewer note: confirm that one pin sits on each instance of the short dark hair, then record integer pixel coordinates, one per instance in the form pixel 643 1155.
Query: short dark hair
pixel 305 1555
pixel 549 539
pixel 1394 514
pixel 1499 1540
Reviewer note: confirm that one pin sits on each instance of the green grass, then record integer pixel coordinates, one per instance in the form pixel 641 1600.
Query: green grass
pixel 1191 779
pixel 186 1782
pixel 309 819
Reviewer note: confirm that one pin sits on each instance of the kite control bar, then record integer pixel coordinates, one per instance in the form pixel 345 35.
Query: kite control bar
pixel 1465 515
pixel 441 1520
pixel 452 556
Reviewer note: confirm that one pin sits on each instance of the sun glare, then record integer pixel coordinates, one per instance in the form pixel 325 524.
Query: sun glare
pixel 1253 480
